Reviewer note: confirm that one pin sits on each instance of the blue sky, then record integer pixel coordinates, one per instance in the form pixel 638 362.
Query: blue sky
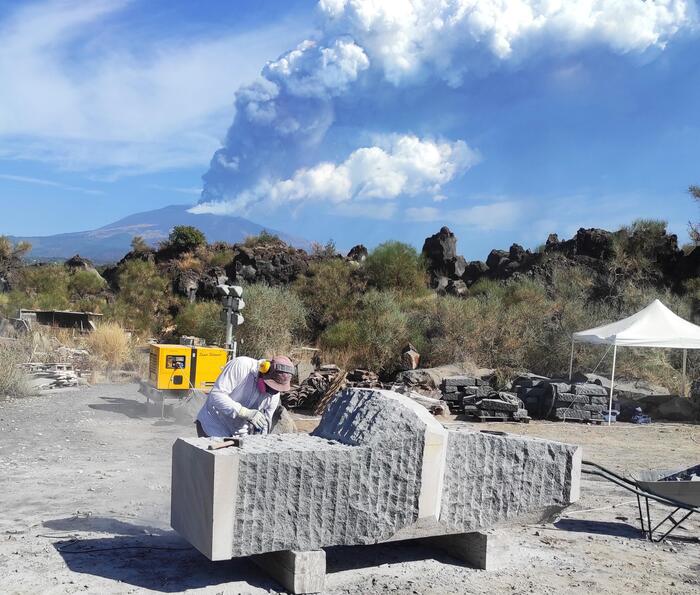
pixel 505 126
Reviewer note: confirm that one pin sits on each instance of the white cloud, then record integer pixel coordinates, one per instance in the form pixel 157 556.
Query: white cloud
pixel 411 37
pixel 398 166
pixel 77 96
pixel 312 70
pixel 487 217
pixel 50 183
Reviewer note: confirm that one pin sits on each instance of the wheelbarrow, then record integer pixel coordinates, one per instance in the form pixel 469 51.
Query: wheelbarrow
pixel 678 489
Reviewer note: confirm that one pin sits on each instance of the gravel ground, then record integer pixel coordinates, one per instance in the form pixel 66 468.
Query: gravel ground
pixel 84 506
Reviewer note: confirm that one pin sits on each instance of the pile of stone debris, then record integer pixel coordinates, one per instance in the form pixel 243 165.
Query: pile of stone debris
pixel 561 400
pixel 42 376
pixel 476 398
pixel 309 392
pixel 314 389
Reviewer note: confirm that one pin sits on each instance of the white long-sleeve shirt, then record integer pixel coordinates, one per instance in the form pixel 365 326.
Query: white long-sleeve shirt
pixel 236 387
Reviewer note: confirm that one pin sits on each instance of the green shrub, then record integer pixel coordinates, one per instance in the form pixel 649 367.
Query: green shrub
pixel 342 335
pixel 44 287
pixel 264 237
pixel 485 287
pixel 202 319
pixel 375 335
pixel 143 298
pixel 220 254
pixel 84 284
pixel 449 328
pixel 329 291
pixel 186 238
pixel 275 321
pixel 395 265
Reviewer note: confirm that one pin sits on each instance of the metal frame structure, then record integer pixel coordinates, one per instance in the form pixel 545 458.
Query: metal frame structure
pixel 645 521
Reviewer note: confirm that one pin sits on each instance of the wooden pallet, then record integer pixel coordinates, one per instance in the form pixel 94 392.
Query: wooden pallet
pixel 571 420
pixel 488 418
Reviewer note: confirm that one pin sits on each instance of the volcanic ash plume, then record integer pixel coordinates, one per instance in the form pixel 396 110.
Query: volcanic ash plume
pixel 322 98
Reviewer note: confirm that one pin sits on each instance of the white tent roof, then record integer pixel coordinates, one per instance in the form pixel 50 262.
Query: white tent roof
pixel 654 326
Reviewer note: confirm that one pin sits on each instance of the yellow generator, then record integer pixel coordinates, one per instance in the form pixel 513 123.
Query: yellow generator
pixel 186 370
pixel 184 367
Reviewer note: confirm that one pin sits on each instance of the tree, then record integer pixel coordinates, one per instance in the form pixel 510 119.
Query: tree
pixel 694 228
pixel 139 245
pixel 11 254
pixel 327 250
pixel 143 299
pixel 185 238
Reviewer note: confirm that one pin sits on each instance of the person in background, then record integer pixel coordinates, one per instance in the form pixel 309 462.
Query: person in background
pixel 245 397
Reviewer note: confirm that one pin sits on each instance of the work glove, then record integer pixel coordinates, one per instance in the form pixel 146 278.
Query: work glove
pixel 253 416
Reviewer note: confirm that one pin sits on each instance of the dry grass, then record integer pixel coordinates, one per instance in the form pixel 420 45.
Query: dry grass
pixel 110 346
pixel 189 262
pixel 12 379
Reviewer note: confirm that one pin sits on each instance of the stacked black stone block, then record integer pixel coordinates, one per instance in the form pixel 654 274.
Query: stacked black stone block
pixel 558 400
pixel 498 406
pixel 477 399
pixel 455 389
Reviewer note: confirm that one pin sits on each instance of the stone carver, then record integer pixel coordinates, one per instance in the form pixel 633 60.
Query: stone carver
pixel 245 397
pixel 378 468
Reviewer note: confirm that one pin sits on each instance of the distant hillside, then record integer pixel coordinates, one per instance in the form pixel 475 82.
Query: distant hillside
pixel 111 242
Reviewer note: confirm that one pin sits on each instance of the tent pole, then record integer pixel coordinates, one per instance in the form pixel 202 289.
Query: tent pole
pixel 685 359
pixel 571 361
pixel 612 382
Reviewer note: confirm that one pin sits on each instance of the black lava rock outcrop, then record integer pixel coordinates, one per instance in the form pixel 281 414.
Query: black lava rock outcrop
pixel 274 263
pixel 440 252
pixel 77 262
pixel 594 250
pixel 358 253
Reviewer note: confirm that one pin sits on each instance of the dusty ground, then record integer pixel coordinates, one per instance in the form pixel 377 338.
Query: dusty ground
pixel 84 505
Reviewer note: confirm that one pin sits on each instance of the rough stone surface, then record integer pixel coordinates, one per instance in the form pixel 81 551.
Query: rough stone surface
pixel 440 247
pixel 491 479
pixel 273 262
pixel 460 381
pixel 283 422
pixel 484 390
pixel 590 389
pixel 577 414
pixel 571 398
pixel 498 405
pixel 360 442
pixel 378 467
pixel 320 481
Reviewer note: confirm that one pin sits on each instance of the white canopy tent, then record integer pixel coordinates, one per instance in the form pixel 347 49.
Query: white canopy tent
pixel 654 326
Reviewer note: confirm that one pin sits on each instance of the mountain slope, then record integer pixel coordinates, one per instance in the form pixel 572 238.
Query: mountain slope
pixel 111 242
